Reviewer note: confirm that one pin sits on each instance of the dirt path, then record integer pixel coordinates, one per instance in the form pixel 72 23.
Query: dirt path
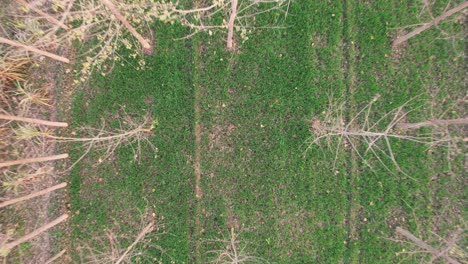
pixel 196 243
pixel 349 53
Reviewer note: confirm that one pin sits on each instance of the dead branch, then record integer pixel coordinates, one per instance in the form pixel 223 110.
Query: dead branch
pixel 232 19
pixel 424 245
pixel 33 195
pixel 33 121
pixel 9 246
pixel 428 25
pixel 32 160
pixel 438 122
pixel 33 49
pixel 122 19
pixel 99 138
pixel 140 236
pixel 196 10
pixel 54 258
pixel 45 15
pixel 451 243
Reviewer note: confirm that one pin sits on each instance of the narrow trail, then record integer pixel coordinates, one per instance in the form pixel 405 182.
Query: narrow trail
pixel 196 243
pixel 349 53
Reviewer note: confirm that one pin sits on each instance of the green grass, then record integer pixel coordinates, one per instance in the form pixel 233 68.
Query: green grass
pixel 165 91
pixel 255 108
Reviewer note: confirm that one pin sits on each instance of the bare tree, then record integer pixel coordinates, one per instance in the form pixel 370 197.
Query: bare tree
pixel 131 133
pixel 234 251
pixel 361 131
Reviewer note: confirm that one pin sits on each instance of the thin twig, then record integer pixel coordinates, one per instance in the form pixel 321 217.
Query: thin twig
pixel 429 24
pixel 197 10
pixel 54 258
pixel 33 195
pixel 33 121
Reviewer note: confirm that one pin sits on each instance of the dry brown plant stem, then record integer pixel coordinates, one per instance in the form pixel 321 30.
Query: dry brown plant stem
pixel 54 258
pixel 438 122
pixel 232 19
pixel 33 121
pixel 33 49
pixel 32 160
pixel 233 246
pixel 140 236
pixel 9 246
pixel 425 246
pixel 428 25
pixel 45 15
pixel 106 138
pixel 33 195
pixel 122 19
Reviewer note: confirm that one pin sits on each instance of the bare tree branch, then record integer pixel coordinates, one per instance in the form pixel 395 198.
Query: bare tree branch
pixel 140 236
pixel 428 25
pixel 438 122
pixel 33 49
pixel 33 195
pixel 54 258
pixel 32 160
pixel 232 19
pixel 122 19
pixel 9 246
pixel 33 120
pixel 424 245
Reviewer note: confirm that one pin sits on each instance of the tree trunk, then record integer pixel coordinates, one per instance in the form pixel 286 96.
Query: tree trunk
pixel 32 160
pixel 232 19
pixel 33 195
pixel 9 246
pixel 33 49
pixel 33 121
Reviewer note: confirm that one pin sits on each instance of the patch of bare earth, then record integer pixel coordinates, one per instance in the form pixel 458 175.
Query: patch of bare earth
pixel 32 214
pixel 42 247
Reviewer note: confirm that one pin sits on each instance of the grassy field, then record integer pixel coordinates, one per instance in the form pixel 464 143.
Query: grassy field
pixel 233 130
